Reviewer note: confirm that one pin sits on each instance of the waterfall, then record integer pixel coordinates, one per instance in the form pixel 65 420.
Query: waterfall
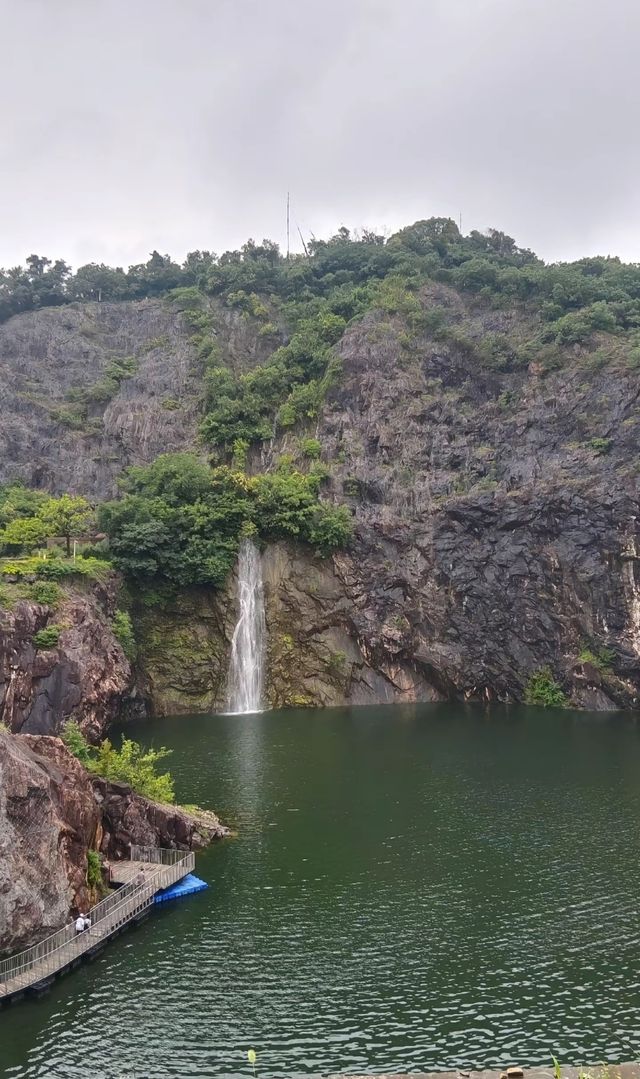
pixel 248 641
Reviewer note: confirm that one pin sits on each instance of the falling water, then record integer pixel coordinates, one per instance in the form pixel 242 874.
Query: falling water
pixel 248 641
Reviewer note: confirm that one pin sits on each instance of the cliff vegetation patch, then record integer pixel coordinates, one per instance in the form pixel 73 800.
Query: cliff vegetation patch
pixel 180 520
pixel 131 764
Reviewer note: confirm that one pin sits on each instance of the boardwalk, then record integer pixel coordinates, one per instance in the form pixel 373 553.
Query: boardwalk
pixel 148 872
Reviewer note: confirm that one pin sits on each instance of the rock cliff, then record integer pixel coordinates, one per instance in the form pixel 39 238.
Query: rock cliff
pixel 48 821
pixel 51 813
pixel 495 503
pixel 496 531
pixel 497 513
pixel 85 676
pixel 90 389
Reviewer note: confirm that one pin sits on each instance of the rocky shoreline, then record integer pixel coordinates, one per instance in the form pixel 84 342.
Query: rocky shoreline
pixel 591 1071
pixel 52 813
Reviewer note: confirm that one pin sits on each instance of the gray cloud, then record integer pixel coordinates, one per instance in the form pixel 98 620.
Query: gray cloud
pixel 176 124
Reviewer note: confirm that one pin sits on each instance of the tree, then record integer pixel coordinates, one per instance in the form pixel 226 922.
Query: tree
pixel 37 265
pixel 174 477
pixel 436 233
pixel 66 516
pixel 133 765
pixel 95 281
pixel 19 501
pixel 26 532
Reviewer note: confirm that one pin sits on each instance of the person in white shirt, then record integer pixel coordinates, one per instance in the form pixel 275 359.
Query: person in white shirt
pixel 80 926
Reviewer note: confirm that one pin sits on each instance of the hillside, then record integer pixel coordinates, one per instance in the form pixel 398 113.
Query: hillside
pixel 476 411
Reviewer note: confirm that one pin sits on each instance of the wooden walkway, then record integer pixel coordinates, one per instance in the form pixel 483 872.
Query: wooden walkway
pixel 148 872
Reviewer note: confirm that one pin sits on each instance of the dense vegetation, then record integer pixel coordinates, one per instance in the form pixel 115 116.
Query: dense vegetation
pixel 178 521
pixel 181 521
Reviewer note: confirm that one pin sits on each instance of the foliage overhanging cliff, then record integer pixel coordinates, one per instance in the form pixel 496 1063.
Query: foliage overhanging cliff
pixel 475 410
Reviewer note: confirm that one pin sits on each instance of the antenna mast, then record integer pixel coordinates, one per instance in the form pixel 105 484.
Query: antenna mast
pixel 303 243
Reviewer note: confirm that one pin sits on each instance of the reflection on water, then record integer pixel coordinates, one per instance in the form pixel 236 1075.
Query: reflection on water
pixel 411 888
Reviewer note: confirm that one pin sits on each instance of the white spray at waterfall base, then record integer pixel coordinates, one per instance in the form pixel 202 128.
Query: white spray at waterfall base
pixel 246 670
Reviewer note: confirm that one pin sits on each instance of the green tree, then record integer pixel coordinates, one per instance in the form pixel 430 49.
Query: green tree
pixel 138 767
pixel 19 501
pixel 27 532
pixel 66 516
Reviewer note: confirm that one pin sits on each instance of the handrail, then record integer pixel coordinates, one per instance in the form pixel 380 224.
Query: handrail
pixel 128 900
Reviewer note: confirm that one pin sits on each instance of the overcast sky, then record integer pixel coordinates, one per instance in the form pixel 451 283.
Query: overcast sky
pixel 129 125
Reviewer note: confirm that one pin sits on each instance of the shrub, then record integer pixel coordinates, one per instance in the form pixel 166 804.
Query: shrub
pixel 52 569
pixel 601 660
pixel 542 689
pixel 94 871
pixel 74 417
pixel 600 446
pixel 336 664
pixel 96 569
pixel 331 527
pixel 47 592
pixel 351 487
pixel 240 451
pixel 75 741
pixel 11 569
pixel 311 448
pixel 506 399
pixel 123 629
pixel 47 637
pixel 133 765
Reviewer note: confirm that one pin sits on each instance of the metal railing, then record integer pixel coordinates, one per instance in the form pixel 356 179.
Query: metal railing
pixel 56 951
pixel 160 855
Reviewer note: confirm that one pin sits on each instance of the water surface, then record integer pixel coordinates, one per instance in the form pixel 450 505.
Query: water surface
pixel 412 888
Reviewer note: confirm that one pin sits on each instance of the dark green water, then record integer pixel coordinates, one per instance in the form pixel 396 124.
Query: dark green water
pixel 412 888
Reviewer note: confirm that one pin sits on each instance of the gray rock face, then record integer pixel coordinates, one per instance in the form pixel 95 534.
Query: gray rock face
pixel 493 535
pixel 47 355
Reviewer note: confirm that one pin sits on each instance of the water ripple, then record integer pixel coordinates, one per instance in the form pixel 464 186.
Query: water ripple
pixel 407 893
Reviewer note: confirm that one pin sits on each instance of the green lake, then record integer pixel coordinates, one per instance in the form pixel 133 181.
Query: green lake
pixel 411 888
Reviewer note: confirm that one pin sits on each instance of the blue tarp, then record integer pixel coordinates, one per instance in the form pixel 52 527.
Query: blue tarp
pixel 187 886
